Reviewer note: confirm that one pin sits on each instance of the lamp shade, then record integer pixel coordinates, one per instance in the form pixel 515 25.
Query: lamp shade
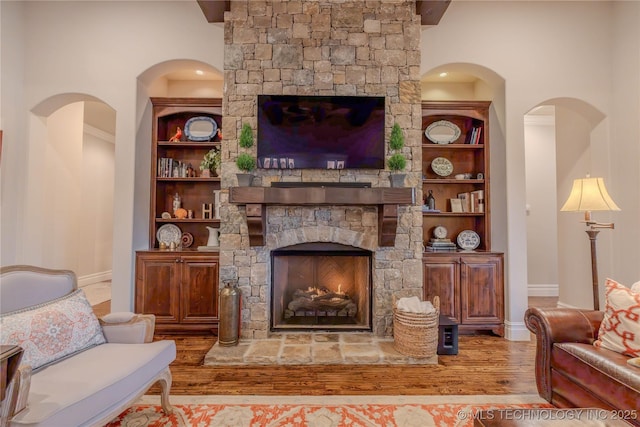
pixel 589 194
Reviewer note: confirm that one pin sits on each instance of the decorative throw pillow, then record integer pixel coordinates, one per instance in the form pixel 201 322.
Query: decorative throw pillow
pixel 53 330
pixel 620 328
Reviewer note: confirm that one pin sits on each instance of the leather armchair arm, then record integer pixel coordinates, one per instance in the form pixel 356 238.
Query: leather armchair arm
pixel 128 328
pixel 557 325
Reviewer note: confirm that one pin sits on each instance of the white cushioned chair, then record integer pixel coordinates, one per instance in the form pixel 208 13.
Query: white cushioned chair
pixel 76 370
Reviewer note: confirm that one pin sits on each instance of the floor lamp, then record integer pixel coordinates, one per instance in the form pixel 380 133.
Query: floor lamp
pixel 590 194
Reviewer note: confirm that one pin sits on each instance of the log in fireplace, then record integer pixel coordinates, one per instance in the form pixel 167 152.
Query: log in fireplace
pixel 321 286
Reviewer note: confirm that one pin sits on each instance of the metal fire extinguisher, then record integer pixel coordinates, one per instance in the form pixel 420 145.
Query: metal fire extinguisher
pixel 229 328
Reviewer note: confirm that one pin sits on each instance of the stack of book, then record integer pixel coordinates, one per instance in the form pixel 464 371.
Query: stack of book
pixel 440 245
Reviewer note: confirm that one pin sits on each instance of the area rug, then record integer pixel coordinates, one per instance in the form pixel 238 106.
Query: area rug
pixel 320 411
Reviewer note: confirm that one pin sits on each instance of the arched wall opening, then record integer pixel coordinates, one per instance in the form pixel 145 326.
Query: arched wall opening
pixel 468 81
pixel 180 78
pixel 68 220
pixel 565 139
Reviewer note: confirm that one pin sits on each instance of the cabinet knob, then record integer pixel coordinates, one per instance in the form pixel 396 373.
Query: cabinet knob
pixel 178 260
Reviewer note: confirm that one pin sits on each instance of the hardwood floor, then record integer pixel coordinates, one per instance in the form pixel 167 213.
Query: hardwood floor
pixel 485 364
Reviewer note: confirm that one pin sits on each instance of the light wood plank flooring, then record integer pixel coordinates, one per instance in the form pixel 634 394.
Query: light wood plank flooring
pixel 485 364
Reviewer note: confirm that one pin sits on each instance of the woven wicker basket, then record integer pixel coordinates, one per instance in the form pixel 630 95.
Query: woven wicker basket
pixel 416 334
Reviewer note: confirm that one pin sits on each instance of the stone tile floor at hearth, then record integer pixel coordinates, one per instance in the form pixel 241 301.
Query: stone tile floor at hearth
pixel 313 349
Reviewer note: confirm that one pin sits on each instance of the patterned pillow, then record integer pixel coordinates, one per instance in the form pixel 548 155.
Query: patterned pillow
pixel 53 330
pixel 620 328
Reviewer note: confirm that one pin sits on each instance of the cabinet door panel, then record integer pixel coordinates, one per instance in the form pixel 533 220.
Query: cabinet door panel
pixel 157 287
pixel 199 290
pixel 481 286
pixel 441 279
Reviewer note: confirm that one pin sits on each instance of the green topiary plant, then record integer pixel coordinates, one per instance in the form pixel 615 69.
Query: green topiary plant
pixel 397 162
pixel 396 141
pixel 246 136
pixel 246 162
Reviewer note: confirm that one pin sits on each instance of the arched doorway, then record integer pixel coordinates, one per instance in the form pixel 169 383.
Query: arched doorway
pixel 564 140
pixel 70 182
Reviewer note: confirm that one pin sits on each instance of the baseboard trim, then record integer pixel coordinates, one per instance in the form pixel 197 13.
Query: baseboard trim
pixel 90 279
pixel 543 290
pixel 516 331
pixel 565 305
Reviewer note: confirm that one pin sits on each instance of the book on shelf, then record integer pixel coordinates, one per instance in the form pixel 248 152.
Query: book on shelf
pixel 476 201
pixel 441 245
pixel 171 168
pixel 470 136
pixel 465 197
pixel 456 205
pixel 438 249
pixel 473 137
pixel 476 139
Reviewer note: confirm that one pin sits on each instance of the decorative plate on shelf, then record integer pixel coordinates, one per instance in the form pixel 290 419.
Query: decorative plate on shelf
pixel 201 128
pixel 442 166
pixel 442 132
pixel 187 239
pixel 169 233
pixel 468 240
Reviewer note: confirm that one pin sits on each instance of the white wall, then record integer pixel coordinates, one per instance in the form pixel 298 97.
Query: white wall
pixel 95 226
pixel 625 145
pixel 53 182
pixel 542 206
pixel 542 50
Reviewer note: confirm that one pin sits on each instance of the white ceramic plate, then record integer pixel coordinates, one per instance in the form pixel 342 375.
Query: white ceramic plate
pixel 442 132
pixel 442 166
pixel 468 240
pixel 169 233
pixel 201 128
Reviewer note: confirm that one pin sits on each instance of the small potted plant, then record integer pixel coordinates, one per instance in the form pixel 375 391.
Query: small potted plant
pixel 246 163
pixel 397 162
pixel 211 162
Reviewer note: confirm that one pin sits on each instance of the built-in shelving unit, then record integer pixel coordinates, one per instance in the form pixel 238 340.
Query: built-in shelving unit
pixel 469 283
pixel 180 286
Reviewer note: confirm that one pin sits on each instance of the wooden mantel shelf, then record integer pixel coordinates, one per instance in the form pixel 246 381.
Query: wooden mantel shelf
pixel 257 199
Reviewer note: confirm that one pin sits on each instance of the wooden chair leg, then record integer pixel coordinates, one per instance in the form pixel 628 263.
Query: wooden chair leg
pixel 165 386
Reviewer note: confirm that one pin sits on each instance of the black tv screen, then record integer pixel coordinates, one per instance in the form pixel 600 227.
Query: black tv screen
pixel 325 132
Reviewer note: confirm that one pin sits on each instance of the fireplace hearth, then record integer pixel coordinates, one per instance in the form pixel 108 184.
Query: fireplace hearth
pixel 321 286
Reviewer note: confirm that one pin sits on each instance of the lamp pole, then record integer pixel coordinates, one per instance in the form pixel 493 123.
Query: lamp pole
pixel 593 234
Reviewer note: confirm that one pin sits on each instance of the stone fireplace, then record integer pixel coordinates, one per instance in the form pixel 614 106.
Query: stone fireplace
pixel 321 47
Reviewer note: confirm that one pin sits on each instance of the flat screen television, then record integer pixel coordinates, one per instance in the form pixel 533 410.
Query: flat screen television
pixel 324 132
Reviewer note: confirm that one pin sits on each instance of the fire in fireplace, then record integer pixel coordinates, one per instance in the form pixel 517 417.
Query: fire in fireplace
pixel 321 286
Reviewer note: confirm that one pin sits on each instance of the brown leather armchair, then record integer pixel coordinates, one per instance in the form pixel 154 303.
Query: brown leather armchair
pixel 571 372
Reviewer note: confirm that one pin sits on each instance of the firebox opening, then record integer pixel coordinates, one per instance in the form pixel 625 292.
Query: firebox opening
pixel 321 286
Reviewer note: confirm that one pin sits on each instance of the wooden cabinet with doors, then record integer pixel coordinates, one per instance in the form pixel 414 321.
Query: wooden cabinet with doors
pixel 470 288
pixel 456 166
pixel 180 288
pixel 180 285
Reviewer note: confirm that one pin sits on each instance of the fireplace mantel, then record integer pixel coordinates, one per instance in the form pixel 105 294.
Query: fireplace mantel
pixel 257 199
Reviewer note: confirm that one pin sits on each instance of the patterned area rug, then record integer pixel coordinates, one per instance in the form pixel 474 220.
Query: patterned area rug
pixel 320 411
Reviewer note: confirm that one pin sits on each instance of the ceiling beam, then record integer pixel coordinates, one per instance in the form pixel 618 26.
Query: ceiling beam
pixel 214 9
pixel 431 11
